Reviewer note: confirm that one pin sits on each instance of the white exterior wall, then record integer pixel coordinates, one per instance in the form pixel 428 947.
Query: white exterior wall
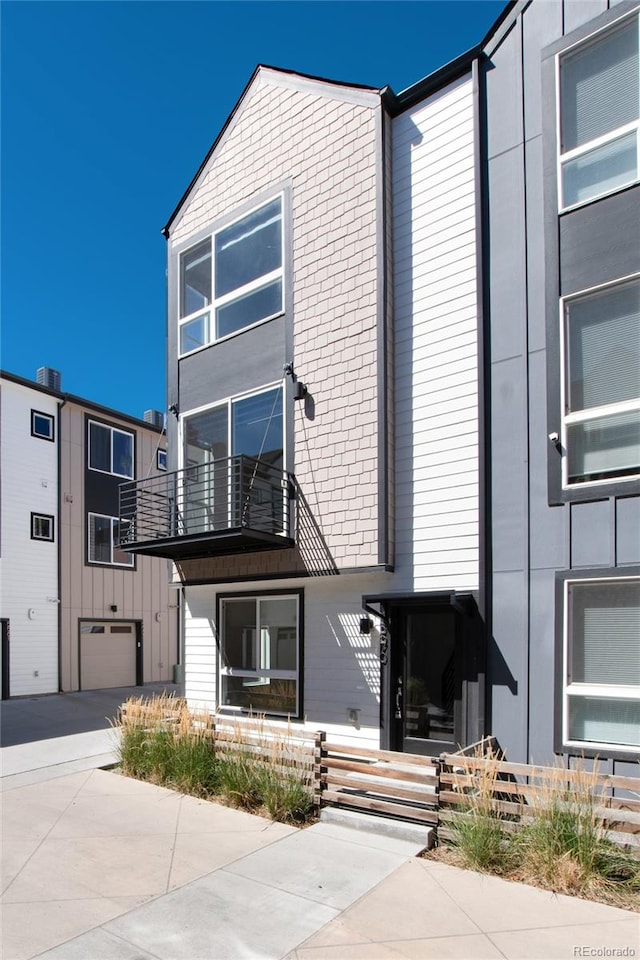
pixel 436 351
pixel 29 568
pixel 341 667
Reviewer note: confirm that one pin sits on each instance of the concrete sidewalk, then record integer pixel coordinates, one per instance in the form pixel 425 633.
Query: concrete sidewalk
pixel 99 867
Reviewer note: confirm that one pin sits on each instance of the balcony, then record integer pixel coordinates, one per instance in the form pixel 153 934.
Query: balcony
pixel 216 508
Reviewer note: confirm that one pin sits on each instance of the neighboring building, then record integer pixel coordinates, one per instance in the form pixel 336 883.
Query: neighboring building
pixel 77 612
pixel 386 501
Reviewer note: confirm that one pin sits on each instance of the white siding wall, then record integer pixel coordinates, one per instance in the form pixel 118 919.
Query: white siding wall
pixel 341 667
pixel 436 343
pixel 29 568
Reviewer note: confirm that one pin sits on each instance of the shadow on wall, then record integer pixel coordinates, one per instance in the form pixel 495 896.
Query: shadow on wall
pixel 342 672
pixel 312 548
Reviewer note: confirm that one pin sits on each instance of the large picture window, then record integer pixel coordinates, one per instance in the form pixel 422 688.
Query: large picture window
pixel 110 450
pixel 260 653
pixel 233 279
pixel 599 114
pixel 602 664
pixel 602 384
pixel 104 536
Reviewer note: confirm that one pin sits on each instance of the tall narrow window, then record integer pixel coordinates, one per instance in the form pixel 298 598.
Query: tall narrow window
pixel 602 693
pixel 602 384
pixel 599 114
pixel 233 279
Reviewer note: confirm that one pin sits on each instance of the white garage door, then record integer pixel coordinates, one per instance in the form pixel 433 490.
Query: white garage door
pixel 107 655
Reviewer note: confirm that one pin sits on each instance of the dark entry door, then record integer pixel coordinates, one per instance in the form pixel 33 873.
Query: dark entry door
pixel 426 681
pixel 4 653
pixel 431 682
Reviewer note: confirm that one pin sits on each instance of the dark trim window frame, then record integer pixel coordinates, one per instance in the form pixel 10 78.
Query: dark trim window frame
pixel 598 662
pixel 110 449
pixel 598 146
pixel 260 640
pixel 43 527
pixel 102 543
pixel 161 459
pixel 600 393
pixel 234 276
pixel 43 425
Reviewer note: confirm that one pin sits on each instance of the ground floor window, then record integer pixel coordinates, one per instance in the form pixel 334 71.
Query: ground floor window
pixel 260 642
pixel 602 663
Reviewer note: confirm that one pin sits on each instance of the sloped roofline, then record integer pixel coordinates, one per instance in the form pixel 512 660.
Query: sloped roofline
pixel 393 103
pixel 261 67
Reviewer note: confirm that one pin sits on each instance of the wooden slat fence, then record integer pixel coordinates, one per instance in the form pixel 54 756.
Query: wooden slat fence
pixel 400 785
pixel 434 791
pixel 516 791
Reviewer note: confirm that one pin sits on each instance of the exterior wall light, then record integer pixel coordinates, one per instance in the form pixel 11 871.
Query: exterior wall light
pixel 365 625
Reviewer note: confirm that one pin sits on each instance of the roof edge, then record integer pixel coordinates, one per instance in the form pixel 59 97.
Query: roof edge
pixel 261 67
pixel 80 401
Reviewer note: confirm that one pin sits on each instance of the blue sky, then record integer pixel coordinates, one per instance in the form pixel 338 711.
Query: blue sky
pixel 108 109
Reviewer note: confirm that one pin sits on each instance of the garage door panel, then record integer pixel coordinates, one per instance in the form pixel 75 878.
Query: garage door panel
pixel 107 655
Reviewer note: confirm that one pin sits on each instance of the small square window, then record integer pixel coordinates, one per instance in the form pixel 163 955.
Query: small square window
pixel 161 459
pixel 42 425
pixel 41 526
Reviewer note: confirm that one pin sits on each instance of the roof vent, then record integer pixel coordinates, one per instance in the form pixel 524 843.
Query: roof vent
pixel 155 418
pixel 49 378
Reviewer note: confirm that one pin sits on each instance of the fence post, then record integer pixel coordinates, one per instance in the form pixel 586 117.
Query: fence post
pixel 319 752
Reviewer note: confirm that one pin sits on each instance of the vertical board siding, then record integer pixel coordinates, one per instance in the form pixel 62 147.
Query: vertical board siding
pixel 29 568
pixel 436 337
pixel 89 591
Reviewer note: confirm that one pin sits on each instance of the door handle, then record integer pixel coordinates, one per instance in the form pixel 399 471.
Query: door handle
pixel 399 699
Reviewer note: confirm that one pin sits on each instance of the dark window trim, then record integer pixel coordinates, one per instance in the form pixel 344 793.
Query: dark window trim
pixel 158 466
pixel 43 516
pixel 258 594
pixel 89 419
pixel 572 749
pixel 52 420
pixel 282 188
pixel 582 492
pixel 99 563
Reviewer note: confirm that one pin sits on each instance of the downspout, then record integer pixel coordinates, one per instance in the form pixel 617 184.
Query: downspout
pixel 61 404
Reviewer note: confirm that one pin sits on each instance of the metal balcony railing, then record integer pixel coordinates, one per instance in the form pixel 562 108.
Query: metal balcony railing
pixel 228 500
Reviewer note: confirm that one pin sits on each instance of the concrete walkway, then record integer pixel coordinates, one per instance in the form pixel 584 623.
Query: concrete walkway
pixel 99 867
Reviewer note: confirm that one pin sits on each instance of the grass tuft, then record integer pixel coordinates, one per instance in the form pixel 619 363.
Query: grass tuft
pixel 164 742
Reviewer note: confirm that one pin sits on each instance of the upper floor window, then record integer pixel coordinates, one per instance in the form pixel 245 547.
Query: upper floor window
pixel 104 537
pixel 161 459
pixel 602 663
pixel 232 279
pixel 599 114
pixel 601 438
pixel 110 450
pixel 42 425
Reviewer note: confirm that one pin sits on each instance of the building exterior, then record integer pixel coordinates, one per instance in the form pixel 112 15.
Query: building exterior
pixel 77 612
pixel 403 498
